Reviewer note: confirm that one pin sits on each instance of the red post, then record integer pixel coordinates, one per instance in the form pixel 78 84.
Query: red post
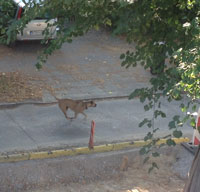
pixel 198 122
pixel 91 141
pixel 196 134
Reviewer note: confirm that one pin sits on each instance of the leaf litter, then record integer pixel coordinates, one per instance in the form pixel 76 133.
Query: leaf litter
pixel 17 87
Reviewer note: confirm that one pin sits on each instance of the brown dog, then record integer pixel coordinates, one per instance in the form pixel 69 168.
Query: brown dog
pixel 77 106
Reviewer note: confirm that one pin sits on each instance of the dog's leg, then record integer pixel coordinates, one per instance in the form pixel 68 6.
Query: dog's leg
pixel 64 110
pixel 75 116
pixel 84 115
pixel 66 113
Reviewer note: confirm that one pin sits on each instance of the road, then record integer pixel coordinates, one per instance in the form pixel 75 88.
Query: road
pixel 30 127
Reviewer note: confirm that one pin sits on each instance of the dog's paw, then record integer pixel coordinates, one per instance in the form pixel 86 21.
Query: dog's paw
pixel 71 118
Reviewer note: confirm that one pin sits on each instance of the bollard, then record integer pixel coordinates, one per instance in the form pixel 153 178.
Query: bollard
pixel 91 141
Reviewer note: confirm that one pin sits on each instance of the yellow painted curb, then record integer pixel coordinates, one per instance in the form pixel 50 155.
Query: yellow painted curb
pixel 81 150
pixel 14 157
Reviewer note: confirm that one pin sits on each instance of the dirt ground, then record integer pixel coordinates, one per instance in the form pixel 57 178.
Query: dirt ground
pixel 135 179
pixel 18 86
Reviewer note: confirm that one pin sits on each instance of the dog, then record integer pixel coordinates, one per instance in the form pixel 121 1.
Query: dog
pixel 78 106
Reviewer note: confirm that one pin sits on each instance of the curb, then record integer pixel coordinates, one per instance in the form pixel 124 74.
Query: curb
pixel 81 150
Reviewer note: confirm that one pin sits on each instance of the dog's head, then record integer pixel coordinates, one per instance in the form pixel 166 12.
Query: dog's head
pixel 91 104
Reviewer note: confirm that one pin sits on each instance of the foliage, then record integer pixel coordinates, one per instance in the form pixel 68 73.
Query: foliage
pixel 7 14
pixel 166 29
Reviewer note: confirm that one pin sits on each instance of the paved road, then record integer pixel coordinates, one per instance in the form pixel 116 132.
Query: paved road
pixel 32 127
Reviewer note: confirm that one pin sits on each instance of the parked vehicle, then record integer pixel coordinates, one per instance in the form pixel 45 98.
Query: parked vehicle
pixel 34 29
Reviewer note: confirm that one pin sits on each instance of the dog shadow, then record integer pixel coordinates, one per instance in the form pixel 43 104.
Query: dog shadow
pixel 73 129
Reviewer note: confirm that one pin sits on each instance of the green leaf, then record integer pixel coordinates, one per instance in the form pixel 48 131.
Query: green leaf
pixel 155 154
pixel 148 136
pixel 38 66
pixel 154 164
pixel 149 124
pixel 142 99
pixel 176 118
pixel 177 134
pixel 146 107
pixel 172 125
pixel 122 56
pixel 193 123
pixel 163 115
pixel 159 113
pixel 183 107
pixel 167 136
pixel 170 142
pixel 108 22
pixel 134 94
pixel 194 108
pixel 143 151
pixel 143 122
pixel 155 130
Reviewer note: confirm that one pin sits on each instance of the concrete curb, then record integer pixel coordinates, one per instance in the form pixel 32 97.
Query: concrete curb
pixel 81 150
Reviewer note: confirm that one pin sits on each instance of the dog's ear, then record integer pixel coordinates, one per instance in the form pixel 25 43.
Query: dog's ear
pixel 93 104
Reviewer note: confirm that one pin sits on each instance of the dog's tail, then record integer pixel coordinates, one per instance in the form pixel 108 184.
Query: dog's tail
pixel 54 95
pixel 56 98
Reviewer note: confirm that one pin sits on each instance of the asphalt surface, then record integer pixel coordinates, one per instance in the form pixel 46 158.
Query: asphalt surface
pixel 30 127
pixel 87 68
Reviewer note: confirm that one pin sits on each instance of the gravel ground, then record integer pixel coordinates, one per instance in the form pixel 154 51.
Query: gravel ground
pixel 103 172
pixel 135 179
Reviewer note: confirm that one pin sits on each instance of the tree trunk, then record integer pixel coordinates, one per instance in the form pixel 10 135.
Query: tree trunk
pixel 193 183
